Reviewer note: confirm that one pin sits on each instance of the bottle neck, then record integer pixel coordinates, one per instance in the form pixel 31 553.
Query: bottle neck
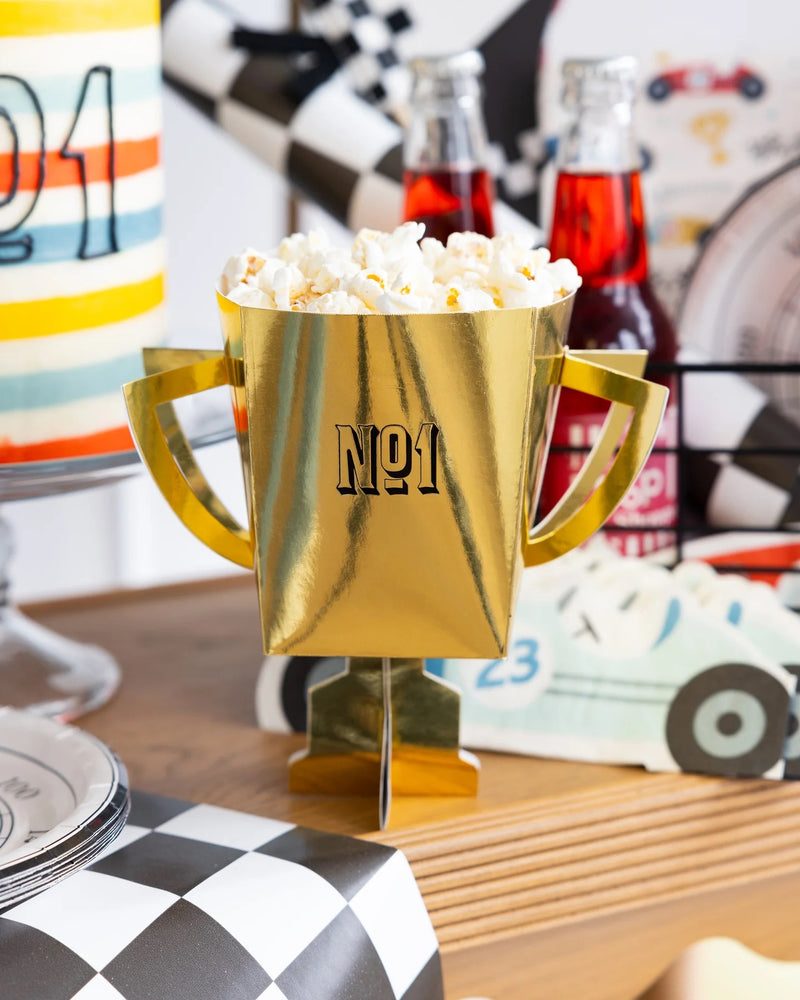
pixel 446 129
pixel 600 139
pixel 598 216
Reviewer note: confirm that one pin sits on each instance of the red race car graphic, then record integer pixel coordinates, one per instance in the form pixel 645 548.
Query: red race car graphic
pixel 703 78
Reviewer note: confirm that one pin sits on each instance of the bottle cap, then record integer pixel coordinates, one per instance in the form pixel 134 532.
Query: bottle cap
pixel 599 81
pixel 449 67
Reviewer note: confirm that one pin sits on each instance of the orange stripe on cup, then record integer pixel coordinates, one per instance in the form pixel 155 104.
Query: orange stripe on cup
pixel 112 440
pixel 130 157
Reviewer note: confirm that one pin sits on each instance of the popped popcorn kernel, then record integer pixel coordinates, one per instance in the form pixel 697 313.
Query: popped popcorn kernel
pixel 398 272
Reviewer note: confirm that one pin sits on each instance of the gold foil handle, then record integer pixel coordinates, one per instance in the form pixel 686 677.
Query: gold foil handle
pixel 167 453
pixel 591 500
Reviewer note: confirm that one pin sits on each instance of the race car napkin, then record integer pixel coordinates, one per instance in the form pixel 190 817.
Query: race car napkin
pixel 194 902
pixel 618 661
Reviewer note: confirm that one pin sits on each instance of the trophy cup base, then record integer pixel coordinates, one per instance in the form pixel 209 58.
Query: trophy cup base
pixel 412 771
pixel 432 771
pixel 354 773
pixel 387 726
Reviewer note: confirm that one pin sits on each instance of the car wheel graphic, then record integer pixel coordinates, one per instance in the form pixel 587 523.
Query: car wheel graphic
pixel 792 747
pixel 728 720
pixel 751 87
pixel 658 89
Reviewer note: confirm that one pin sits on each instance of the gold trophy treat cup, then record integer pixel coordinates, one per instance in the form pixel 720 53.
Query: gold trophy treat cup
pixel 391 465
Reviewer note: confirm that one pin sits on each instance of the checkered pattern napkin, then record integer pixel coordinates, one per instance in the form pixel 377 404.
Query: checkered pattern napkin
pixel 373 38
pixel 340 143
pixel 193 902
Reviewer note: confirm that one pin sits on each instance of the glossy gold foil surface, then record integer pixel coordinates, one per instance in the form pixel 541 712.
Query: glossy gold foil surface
pixel 391 463
pixel 387 462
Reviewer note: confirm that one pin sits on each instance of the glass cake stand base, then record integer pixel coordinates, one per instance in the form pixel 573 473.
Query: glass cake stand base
pixel 41 671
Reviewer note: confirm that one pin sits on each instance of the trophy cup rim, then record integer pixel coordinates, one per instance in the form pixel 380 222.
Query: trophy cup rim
pixel 376 317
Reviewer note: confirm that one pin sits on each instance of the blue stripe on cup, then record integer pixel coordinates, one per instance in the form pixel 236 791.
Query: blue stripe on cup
pixel 52 244
pixel 68 385
pixel 60 92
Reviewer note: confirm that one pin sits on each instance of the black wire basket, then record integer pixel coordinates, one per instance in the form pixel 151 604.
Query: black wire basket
pixel 763 460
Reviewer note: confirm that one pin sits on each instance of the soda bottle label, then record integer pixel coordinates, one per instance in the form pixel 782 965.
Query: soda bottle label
pixel 651 503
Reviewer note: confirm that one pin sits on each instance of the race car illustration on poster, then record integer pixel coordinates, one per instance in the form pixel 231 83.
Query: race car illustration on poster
pixel 704 78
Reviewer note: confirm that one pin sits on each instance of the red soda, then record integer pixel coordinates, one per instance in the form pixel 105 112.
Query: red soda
pixel 446 182
pixel 599 224
pixel 449 201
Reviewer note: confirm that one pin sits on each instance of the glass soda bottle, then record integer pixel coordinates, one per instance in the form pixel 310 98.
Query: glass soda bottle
pixel 447 185
pixel 598 222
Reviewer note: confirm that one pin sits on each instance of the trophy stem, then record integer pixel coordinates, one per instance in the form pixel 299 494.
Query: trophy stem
pixel 385 790
pixel 41 671
pixel 387 726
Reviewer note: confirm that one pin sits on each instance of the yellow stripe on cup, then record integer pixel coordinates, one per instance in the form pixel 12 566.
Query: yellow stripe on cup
pixel 46 317
pixel 49 17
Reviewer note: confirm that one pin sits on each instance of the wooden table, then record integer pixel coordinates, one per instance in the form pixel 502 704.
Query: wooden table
pixel 558 881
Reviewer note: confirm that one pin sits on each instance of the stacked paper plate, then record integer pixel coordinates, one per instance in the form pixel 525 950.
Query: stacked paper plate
pixel 63 798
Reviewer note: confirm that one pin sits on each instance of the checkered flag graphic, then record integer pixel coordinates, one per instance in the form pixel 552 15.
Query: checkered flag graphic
pixel 364 37
pixel 194 902
pixel 339 142
pixel 375 37
pixel 743 462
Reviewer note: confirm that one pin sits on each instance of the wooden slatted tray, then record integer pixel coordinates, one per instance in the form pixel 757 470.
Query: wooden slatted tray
pixel 559 880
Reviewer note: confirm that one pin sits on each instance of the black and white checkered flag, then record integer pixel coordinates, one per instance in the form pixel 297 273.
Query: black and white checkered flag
pixel 743 454
pixel 326 110
pixel 195 901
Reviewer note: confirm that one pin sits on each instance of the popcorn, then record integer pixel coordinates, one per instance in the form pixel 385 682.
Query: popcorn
pixel 336 302
pixel 469 299
pixel 288 285
pixel 398 272
pixel 238 269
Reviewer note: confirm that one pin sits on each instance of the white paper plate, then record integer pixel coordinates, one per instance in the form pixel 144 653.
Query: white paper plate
pixel 14 828
pixel 743 299
pixel 63 798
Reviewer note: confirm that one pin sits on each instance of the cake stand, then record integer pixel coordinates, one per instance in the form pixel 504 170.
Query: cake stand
pixel 40 670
